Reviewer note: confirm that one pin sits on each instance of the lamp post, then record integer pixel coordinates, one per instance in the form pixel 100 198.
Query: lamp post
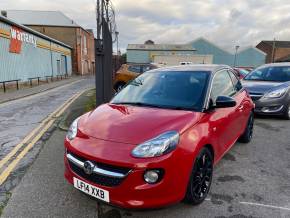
pixel 117 37
pixel 236 53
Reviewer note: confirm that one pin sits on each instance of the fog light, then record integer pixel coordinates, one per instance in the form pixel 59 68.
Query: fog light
pixel 151 176
pixel 272 109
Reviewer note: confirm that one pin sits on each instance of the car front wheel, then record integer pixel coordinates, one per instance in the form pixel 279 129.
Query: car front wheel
pixel 200 179
pixel 248 133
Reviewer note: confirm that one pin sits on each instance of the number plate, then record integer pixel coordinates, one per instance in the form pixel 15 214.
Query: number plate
pixel 91 190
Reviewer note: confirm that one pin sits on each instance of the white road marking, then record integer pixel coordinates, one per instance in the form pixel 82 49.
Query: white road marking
pixel 265 205
pixel 259 205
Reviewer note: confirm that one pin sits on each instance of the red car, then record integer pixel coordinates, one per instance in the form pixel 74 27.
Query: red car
pixel 241 72
pixel 157 141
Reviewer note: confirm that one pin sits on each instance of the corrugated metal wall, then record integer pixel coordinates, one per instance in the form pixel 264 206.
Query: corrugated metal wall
pixel 31 62
pixel 140 56
pixel 250 57
pixel 219 55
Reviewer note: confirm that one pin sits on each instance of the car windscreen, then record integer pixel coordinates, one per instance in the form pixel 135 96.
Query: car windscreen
pixel 276 74
pixel 183 90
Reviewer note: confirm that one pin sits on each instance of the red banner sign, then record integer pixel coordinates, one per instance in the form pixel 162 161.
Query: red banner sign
pixel 15 43
pixel 18 37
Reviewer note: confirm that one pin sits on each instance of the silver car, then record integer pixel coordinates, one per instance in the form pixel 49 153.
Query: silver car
pixel 269 87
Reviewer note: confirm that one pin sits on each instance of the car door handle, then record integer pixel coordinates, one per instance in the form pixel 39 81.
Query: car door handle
pixel 241 108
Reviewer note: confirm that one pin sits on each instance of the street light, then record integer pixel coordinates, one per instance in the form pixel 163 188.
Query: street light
pixel 117 37
pixel 236 53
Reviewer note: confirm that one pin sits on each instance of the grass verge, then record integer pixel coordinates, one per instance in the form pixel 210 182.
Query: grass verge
pixel 85 103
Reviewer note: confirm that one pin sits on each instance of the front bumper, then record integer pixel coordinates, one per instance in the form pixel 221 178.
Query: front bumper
pixel 271 106
pixel 132 192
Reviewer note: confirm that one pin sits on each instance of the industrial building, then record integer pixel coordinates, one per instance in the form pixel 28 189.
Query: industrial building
pixel 198 51
pixel 245 57
pixel 169 54
pixel 26 53
pixel 277 51
pixel 57 25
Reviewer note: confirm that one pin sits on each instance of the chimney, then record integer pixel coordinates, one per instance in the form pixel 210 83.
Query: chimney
pixel 4 13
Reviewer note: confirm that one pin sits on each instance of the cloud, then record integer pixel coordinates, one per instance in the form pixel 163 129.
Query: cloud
pixel 225 22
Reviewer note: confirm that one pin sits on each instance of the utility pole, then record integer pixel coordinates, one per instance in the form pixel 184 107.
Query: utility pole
pixel 103 51
pixel 236 53
pixel 273 50
pixel 99 55
pixel 117 37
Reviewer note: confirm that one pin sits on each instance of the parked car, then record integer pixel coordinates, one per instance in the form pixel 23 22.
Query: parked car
pixel 269 87
pixel 157 141
pixel 241 73
pixel 127 72
pixel 185 63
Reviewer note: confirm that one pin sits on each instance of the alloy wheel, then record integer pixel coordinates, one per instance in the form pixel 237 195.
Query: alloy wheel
pixel 202 176
pixel 251 126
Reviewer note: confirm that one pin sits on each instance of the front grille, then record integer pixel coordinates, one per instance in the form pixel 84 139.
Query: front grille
pixel 256 96
pixel 104 166
pixel 97 178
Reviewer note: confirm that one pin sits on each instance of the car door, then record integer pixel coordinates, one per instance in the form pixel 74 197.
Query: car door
pixel 222 119
pixel 242 108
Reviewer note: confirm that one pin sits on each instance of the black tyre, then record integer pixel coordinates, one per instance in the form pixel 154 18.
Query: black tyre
pixel 200 179
pixel 119 86
pixel 248 133
pixel 286 115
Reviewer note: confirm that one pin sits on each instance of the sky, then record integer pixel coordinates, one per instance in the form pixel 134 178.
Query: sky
pixel 225 22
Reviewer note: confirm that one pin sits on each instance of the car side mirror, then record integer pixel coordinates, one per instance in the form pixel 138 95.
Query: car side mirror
pixel 225 102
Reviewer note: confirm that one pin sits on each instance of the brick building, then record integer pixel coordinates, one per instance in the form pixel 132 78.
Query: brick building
pixel 277 51
pixel 58 26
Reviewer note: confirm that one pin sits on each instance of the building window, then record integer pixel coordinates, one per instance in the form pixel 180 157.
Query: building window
pixel 85 45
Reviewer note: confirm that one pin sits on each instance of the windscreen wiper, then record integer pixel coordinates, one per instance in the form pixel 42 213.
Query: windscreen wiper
pixel 139 104
pixel 155 106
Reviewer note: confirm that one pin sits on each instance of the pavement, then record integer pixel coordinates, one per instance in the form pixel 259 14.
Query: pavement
pixel 13 94
pixel 252 180
pixel 18 118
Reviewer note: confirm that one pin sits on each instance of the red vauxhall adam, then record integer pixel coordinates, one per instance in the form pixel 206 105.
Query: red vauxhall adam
pixel 156 142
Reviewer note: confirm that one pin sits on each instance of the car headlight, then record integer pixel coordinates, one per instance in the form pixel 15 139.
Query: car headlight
pixel 73 130
pixel 276 93
pixel 158 146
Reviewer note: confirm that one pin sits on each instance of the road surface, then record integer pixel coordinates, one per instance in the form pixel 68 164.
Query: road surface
pixel 252 180
pixel 19 117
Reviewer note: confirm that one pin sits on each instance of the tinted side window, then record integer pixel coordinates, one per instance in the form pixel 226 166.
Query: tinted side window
pixel 145 68
pixel 222 85
pixel 135 68
pixel 236 81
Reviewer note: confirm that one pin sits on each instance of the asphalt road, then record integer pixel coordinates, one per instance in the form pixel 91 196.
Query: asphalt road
pixel 19 117
pixel 252 180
